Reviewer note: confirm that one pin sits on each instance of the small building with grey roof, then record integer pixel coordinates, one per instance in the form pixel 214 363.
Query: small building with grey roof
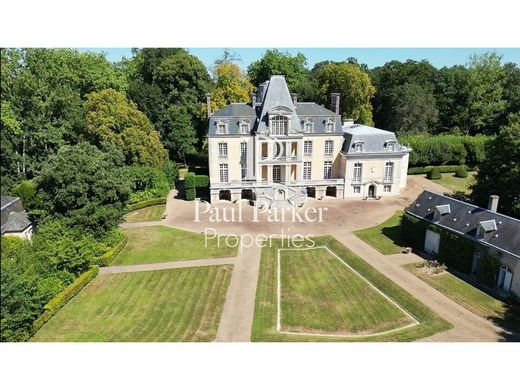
pixel 14 219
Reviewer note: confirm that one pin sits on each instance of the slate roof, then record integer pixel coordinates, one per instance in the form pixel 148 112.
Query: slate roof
pixel 503 232
pixel 13 216
pixel 273 95
pixel 374 140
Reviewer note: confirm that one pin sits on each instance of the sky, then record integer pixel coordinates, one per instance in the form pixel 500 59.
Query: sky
pixel 373 57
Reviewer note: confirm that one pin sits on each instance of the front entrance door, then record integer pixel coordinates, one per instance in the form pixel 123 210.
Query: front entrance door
pixel 372 191
pixel 505 277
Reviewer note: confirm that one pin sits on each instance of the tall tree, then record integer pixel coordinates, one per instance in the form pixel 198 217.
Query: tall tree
pixel 486 101
pixel 353 84
pixel 500 172
pixel 111 118
pixel 46 89
pixel 276 62
pixel 85 186
pixel 412 109
pixel 231 85
pixel 163 80
pixel 12 156
pixel 394 74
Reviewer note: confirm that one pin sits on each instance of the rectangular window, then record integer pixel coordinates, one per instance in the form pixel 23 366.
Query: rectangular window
pixel 327 170
pixel 307 170
pixel 389 171
pixel 329 145
pixel 265 149
pixel 357 173
pixel 244 127
pixel 307 148
pixel 387 189
pixel 278 125
pixel 243 171
pixel 224 178
pixel 358 147
pixel 222 149
pixel 357 190
pixel 309 126
pixel 221 128
pixel 243 149
pixel 277 173
pixel 390 147
pixel 329 126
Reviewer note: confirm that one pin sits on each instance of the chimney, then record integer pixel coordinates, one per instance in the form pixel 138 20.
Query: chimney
pixel 208 104
pixel 493 203
pixel 253 100
pixel 294 98
pixel 334 102
pixel 348 123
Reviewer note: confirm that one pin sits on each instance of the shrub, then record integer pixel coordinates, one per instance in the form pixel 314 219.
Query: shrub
pixel 456 251
pixel 192 182
pixel 488 269
pixel 147 183
pixel 434 174
pixel 145 203
pixel 171 170
pixel 106 258
pixel 64 296
pixel 461 171
pixel 201 181
pixel 442 169
pixel 28 194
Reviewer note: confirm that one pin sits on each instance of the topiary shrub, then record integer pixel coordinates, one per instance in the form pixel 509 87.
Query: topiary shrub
pixel 461 171
pixel 434 174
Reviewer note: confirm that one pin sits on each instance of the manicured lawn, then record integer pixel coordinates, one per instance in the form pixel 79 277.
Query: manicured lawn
pixel 386 237
pixel 319 294
pixel 472 298
pixel 154 244
pixel 172 305
pixel 329 300
pixel 457 183
pixel 152 213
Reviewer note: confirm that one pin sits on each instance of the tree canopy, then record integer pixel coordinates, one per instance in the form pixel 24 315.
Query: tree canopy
pixel 353 84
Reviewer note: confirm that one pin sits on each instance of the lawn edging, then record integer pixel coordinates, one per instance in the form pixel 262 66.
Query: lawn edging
pixel 146 203
pixel 106 258
pixel 69 292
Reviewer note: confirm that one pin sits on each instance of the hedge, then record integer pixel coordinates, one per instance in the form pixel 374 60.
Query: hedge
pixel 413 231
pixel 106 258
pixel 461 172
pixel 442 169
pixel 434 174
pixel 192 182
pixel 146 203
pixel 446 149
pixel 64 296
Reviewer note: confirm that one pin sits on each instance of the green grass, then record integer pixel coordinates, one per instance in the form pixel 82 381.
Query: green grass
pixel 386 237
pixel 152 213
pixel 264 324
pixel 454 183
pixel 320 295
pixel 473 299
pixel 172 305
pixel 155 244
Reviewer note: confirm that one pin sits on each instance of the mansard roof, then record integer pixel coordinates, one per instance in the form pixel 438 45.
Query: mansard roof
pixel 273 98
pixel 374 140
pixel 501 231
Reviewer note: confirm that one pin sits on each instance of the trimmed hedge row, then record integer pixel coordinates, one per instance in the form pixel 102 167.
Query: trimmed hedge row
pixel 146 203
pixel 446 149
pixel 106 258
pixel 192 182
pixel 64 296
pixel 442 169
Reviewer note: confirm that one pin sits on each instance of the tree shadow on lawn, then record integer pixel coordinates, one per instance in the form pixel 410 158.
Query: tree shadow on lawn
pixel 393 233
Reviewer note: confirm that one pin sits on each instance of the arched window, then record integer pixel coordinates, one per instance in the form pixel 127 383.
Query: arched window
pixel 279 125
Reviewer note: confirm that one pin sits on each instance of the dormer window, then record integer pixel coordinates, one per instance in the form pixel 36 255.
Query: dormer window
pixel 279 125
pixel 486 227
pixel 390 146
pixel 244 127
pixel 308 126
pixel 222 127
pixel 441 210
pixel 329 125
pixel 358 147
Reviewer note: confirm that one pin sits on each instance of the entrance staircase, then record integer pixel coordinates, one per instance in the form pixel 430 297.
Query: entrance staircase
pixel 279 196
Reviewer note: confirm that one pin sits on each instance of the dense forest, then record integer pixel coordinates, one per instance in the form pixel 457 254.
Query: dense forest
pixel 82 138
